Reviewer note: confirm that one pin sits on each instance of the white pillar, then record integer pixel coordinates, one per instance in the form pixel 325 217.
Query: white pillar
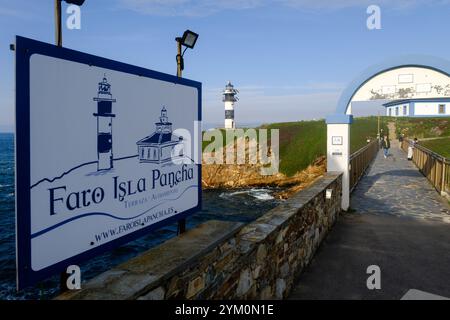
pixel 338 156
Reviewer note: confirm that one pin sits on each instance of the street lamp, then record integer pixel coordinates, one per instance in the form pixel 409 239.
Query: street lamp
pixel 188 40
pixel 58 28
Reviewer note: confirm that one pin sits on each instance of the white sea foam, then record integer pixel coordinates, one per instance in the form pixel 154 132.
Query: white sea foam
pixel 260 194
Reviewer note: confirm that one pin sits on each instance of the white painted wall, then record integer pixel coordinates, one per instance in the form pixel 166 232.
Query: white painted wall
pixel 229 105
pixel 430 108
pixel 338 157
pixel 422 80
pixel 229 124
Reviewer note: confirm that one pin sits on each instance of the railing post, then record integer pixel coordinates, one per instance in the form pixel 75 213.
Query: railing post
pixel 443 176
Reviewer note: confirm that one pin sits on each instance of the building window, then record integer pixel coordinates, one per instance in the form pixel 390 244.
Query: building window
pixel 396 111
pixel 405 111
pixel 441 109
pixel 390 112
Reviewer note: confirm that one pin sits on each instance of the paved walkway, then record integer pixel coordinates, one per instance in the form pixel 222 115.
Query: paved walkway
pixel 394 186
pixel 399 223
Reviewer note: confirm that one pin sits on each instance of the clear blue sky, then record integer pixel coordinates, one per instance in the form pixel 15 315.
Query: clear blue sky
pixel 289 58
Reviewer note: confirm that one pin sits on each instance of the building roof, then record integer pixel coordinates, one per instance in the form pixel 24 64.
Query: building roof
pixel 403 101
pixel 157 138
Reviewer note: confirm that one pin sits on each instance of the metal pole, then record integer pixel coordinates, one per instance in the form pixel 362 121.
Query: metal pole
pixel 378 133
pixel 182 222
pixel 179 71
pixel 58 27
pixel 443 176
pixel 58 41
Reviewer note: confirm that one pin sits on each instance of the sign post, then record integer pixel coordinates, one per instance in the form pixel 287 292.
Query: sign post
pixel 75 197
pixel 58 24
pixel 182 222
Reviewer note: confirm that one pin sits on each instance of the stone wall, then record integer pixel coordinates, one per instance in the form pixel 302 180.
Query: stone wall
pixel 228 260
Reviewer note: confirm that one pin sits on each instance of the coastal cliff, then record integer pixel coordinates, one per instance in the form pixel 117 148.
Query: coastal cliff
pixel 223 176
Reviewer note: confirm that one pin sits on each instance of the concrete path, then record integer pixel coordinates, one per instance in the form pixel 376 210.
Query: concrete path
pixel 394 186
pixel 399 223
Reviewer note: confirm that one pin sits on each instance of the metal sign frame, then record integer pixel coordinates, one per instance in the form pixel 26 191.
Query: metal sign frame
pixel 25 48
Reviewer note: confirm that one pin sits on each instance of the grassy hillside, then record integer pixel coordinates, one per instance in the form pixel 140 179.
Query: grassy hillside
pixel 300 144
pixel 423 128
pixel 303 142
pixel 440 146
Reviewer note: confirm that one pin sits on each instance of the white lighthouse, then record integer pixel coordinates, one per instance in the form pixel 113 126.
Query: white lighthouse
pixel 229 97
pixel 104 117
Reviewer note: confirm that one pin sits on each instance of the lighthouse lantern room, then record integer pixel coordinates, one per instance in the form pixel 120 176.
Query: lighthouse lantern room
pixel 229 97
pixel 104 117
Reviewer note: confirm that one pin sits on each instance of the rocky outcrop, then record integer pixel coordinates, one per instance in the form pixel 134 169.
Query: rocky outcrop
pixel 223 176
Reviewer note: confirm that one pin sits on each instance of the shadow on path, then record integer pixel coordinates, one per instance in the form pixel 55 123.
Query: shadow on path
pixel 410 253
pixel 400 223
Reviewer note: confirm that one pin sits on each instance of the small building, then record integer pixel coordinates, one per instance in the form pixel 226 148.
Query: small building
pixel 425 107
pixel 158 147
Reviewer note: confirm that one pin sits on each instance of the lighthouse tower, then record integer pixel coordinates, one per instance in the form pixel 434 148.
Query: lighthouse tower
pixel 229 97
pixel 104 117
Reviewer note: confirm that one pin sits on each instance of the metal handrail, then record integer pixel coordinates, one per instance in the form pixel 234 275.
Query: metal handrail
pixel 358 152
pixel 432 153
pixel 360 161
pixel 435 167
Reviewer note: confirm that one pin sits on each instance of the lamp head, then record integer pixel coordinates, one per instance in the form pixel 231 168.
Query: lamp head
pixel 75 2
pixel 188 39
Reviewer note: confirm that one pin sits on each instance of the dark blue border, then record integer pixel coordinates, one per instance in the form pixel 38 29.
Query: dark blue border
pixel 25 48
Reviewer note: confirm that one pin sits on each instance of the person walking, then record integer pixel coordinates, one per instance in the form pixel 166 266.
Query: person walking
pixel 386 145
pixel 400 140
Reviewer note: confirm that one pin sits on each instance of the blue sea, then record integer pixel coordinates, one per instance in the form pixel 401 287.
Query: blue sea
pixel 243 205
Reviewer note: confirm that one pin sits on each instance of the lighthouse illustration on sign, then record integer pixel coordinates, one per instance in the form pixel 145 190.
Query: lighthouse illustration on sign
pixel 104 117
pixel 229 97
pixel 159 146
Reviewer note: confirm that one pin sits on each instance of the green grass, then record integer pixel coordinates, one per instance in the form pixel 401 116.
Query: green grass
pixel 423 127
pixel 440 146
pixel 303 142
pixel 300 144
pixel 427 128
pixel 363 128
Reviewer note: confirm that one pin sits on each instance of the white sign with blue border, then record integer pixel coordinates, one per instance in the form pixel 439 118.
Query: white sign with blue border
pixel 105 152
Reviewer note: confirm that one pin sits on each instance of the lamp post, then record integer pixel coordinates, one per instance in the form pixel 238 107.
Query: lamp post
pixel 188 40
pixel 58 23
